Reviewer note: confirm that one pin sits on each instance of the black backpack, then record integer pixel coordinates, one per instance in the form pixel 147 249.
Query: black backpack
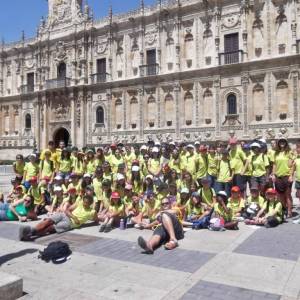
pixel 57 252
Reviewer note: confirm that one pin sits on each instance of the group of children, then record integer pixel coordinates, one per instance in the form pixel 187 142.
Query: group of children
pixel 116 184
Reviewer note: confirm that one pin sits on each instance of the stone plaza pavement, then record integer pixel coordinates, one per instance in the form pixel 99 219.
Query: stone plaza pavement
pixel 251 263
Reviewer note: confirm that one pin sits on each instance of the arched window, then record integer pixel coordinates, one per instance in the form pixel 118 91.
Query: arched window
pixel 100 115
pixel 28 121
pixel 231 105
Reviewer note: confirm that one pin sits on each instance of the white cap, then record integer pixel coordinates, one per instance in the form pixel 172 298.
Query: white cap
pixel 197 143
pixel 155 149
pixel 120 176
pixel 222 193
pixel 32 155
pixel 87 175
pixel 58 177
pixel 190 146
pixel 143 147
pixel 255 145
pixel 57 188
pixel 263 141
pixel 149 176
pixel 157 143
pixel 172 143
pixel 184 191
pixel 135 168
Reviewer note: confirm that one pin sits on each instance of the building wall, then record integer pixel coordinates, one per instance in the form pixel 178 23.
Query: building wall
pixel 184 96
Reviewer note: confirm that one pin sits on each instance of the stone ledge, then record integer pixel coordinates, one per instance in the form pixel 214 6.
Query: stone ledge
pixel 11 286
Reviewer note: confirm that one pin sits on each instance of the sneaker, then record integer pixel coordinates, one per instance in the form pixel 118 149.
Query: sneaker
pixel 296 221
pixel 102 228
pixel 24 233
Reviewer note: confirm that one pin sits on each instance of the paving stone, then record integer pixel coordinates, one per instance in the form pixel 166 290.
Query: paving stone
pixel 209 290
pixel 280 242
pixel 178 259
pixel 9 231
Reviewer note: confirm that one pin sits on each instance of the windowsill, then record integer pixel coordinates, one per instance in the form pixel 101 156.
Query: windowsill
pixel 100 125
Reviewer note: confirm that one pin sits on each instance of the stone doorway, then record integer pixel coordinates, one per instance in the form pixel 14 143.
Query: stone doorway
pixel 61 134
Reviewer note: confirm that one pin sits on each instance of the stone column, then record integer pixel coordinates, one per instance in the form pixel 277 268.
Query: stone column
pixel 245 83
pixel 269 92
pixel 217 85
pixel 74 120
pixel 176 92
pixel 89 116
pixel 295 82
pixel 44 120
pixel 141 113
pixel 158 97
pixel 196 88
pixel 108 97
pixel 124 101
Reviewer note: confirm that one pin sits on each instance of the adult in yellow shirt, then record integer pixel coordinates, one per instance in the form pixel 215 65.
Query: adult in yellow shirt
pixel 19 165
pixel 78 214
pixel 281 174
pixel 237 161
pixel 51 148
pixel 192 161
pixel 225 173
pixel 31 169
pixel 47 166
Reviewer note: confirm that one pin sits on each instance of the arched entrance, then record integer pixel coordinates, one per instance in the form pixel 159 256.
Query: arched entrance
pixel 61 134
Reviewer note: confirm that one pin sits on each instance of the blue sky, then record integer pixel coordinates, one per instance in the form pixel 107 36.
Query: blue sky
pixel 18 15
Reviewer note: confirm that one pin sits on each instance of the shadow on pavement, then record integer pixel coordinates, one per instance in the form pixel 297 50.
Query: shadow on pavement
pixel 8 257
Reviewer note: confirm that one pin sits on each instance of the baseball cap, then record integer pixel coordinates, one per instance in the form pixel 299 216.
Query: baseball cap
pixel 184 191
pixel 115 195
pixel 190 146
pixel 57 189
pixel 255 145
pixel 58 177
pixel 235 189
pixel 149 176
pixel 271 191
pixel 135 168
pixel 222 194
pixel 143 147
pixel 155 149
pixel 71 189
pixel 86 175
pixel 33 179
pixel 120 176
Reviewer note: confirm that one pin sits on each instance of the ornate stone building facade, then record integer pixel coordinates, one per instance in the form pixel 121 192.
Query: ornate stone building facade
pixel 179 70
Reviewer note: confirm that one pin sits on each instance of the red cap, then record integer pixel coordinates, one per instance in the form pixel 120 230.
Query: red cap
pixel 113 146
pixel 115 195
pixel 271 191
pixel 71 190
pixel 232 141
pixel 235 189
pixel 47 178
pixel 33 179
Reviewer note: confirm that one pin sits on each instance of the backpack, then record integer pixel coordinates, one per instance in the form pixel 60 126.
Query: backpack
pixel 57 252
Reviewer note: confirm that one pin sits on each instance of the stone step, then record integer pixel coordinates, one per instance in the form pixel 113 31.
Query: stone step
pixel 11 286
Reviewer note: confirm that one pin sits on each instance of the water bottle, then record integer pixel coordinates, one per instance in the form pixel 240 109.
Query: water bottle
pixel 122 224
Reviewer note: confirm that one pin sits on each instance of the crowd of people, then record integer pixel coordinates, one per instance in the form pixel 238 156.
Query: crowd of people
pixel 161 187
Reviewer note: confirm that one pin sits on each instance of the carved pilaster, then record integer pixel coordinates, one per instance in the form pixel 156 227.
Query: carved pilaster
pixel 141 114
pixel 89 115
pixel 108 97
pixel 295 82
pixel 217 84
pixel 158 97
pixel 269 40
pixel 197 103
pixel 269 93
pixel 245 83
pixel 176 92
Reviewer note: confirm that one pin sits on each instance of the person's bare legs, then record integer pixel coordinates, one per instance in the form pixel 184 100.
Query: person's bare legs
pixel 168 225
pixel 44 227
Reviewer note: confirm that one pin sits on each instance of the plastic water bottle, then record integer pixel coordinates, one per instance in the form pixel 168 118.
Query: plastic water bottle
pixel 122 224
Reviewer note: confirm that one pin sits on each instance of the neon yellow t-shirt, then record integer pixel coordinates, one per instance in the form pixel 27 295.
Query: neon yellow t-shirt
pixel 31 170
pixel 47 168
pixel 224 173
pixel 83 215
pixel 237 160
pixel 236 205
pixel 259 164
pixel 282 164
pixel 212 168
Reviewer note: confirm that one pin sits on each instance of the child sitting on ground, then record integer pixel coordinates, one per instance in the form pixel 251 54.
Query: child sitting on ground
pixel 236 203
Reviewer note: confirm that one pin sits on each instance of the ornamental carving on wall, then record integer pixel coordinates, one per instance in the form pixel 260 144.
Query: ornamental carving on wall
pixel 231 21
pixel 61 53
pixel 60 109
pixel 102 44
pixel 151 36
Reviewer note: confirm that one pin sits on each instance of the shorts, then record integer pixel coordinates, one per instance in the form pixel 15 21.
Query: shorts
pixel 297 185
pixel 262 180
pixel 162 232
pixel 3 210
pixel 62 222
pixel 282 184
pixel 239 181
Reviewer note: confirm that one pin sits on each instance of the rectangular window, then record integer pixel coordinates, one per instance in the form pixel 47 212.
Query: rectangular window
pixel 30 82
pixel 231 48
pixel 151 62
pixel 101 70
